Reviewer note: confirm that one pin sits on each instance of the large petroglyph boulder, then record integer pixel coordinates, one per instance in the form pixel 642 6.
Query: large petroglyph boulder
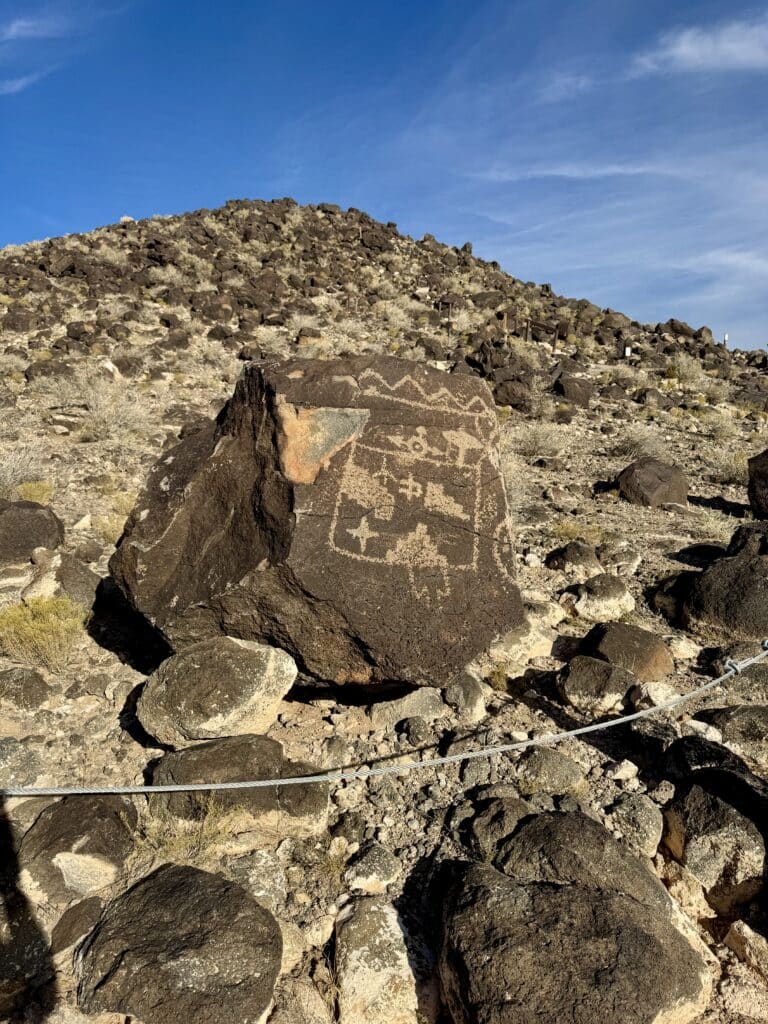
pixel 350 511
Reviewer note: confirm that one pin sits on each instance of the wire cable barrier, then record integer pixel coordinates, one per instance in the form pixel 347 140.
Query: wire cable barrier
pixel 733 668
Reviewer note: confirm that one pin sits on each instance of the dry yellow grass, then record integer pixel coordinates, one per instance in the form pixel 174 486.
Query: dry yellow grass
pixel 42 632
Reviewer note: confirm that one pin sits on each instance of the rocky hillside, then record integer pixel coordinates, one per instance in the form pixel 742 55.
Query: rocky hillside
pixel 283 492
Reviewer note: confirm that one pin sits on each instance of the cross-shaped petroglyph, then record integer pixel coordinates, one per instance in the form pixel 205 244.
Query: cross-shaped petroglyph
pixel 363 533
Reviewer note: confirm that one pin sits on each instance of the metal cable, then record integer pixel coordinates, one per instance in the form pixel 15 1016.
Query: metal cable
pixel 546 739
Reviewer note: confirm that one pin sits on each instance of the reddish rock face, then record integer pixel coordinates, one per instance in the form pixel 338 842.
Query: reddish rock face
pixel 350 511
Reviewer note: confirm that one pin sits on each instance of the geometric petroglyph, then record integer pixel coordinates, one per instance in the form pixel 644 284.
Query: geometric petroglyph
pixel 409 497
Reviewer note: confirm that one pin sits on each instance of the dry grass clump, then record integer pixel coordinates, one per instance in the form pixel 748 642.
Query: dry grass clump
pixel 686 370
pixel 639 441
pixel 719 424
pixel 106 408
pixel 40 491
pixel 43 631
pixel 729 467
pixel 533 440
pixel 20 466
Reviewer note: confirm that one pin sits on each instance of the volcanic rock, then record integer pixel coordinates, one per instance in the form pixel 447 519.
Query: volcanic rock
pixel 78 846
pixel 581 954
pixel 288 810
pixel 218 687
pixel 24 526
pixel 758 485
pixel 731 593
pixel 182 945
pixel 631 648
pixel 651 482
pixel 593 686
pixel 350 511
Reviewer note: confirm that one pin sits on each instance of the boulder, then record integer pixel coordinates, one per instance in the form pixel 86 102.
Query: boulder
pixel 594 687
pixel 745 731
pixel 640 822
pixel 574 849
pixel 512 952
pixel 576 556
pixel 58 574
pixel 24 526
pixel 600 599
pixel 575 390
pixel 630 647
pixel 350 511
pixel 77 846
pixel 721 847
pixel 218 687
pixel 652 483
pixel 545 770
pixel 730 593
pixel 280 811
pixel 757 487
pixel 376 982
pixel 182 945
pixel 494 823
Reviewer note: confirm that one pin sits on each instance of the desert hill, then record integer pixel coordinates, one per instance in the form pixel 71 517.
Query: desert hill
pixel 283 491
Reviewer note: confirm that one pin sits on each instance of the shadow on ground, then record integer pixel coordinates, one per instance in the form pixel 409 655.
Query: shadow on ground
pixel 28 988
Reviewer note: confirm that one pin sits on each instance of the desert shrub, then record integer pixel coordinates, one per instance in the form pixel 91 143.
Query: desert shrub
pixel 18 466
pixel 719 424
pixel 43 631
pixel 533 440
pixel 107 408
pixel 686 369
pixel 638 441
pixel 729 467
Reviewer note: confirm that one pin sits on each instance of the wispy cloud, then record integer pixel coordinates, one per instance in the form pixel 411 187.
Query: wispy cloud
pixel 12 86
pixel 500 175
pixel 560 87
pixel 739 45
pixel 49 26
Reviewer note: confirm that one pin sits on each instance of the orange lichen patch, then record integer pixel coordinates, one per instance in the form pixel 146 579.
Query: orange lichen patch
pixel 309 438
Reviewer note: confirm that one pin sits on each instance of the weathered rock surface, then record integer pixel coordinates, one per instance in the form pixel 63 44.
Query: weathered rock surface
pixel 23 688
pixel 731 593
pixel 182 945
pixel 721 847
pixel 593 686
pixel 757 488
pixel 58 574
pixel 77 846
pixel 218 687
pixel 24 526
pixel 563 953
pixel 600 599
pixel 631 648
pixel 290 810
pixel 377 983
pixel 326 493
pixel 652 483
pixel 745 731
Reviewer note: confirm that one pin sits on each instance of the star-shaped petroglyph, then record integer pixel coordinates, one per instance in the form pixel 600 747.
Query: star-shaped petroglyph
pixel 363 534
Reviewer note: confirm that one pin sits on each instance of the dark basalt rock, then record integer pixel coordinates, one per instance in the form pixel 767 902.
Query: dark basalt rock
pixel 24 526
pixel 349 511
pixel 182 945
pixel 731 593
pixel 652 483
pixel 758 485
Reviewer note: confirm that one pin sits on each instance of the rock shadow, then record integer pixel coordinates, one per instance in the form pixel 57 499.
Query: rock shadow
pixel 116 626
pixel 28 987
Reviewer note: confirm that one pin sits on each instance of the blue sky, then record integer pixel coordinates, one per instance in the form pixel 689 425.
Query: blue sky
pixel 615 148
